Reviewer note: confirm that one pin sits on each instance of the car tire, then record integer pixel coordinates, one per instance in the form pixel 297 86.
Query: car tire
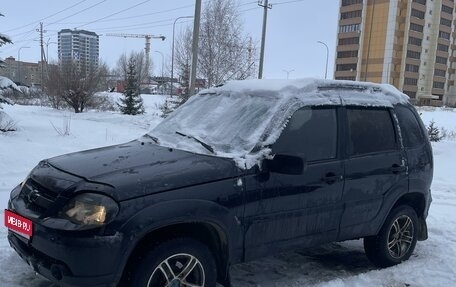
pixel 176 262
pixel 396 240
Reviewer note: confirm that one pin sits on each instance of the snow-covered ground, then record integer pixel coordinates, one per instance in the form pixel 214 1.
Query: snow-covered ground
pixel 335 265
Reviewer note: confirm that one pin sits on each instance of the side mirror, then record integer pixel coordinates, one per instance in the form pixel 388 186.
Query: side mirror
pixel 286 164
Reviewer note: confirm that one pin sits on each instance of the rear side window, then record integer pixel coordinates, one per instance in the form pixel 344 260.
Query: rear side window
pixel 412 135
pixel 310 133
pixel 370 131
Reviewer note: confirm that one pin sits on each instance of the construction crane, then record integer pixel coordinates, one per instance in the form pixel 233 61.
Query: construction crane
pixel 145 36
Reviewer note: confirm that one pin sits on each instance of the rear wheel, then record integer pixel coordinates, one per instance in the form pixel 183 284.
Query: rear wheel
pixel 179 262
pixel 396 240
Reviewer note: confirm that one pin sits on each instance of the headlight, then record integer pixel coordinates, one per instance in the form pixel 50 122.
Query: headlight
pixel 90 209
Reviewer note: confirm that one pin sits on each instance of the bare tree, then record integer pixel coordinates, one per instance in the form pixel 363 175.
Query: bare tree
pixel 183 58
pixel 225 51
pixel 74 84
pixel 143 66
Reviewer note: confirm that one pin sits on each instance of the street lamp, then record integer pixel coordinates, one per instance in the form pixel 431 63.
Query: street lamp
pixel 163 64
pixel 47 49
pixel 327 57
pixel 19 62
pixel 172 52
pixel 288 72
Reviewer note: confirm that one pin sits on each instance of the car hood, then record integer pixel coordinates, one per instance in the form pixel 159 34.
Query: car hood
pixel 135 169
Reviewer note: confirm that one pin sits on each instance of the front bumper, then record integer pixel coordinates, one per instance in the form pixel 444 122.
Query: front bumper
pixel 70 261
pixel 68 258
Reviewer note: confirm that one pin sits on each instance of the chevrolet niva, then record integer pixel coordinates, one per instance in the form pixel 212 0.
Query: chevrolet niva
pixel 238 172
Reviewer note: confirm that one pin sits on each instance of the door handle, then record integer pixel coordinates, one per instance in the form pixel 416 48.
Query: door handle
pixel 331 178
pixel 396 168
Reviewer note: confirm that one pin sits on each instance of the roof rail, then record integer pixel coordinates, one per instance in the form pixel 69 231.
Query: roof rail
pixel 343 87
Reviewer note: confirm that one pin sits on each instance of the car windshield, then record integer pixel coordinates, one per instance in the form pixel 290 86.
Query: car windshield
pixel 226 124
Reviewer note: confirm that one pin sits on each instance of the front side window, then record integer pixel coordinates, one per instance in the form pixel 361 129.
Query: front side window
pixel 370 131
pixel 310 133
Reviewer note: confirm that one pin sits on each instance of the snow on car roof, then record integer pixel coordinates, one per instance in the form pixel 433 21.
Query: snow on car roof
pixel 242 119
pixel 318 92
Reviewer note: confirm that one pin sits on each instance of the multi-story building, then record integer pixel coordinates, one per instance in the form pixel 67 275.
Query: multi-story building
pixel 23 73
pixel 407 43
pixel 79 45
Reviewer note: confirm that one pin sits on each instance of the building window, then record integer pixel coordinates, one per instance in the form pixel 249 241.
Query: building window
pixel 351 2
pixel 349 41
pixel 412 68
pixel 347 54
pixel 444 35
pixel 439 73
pixel 410 81
pixel 438 85
pixel 441 60
pixel 410 94
pixel 423 2
pixel 447 9
pixel 349 28
pixel 442 47
pixel 417 14
pixel 346 67
pixel 416 27
pixel 351 14
pixel 413 54
pixel 415 41
pixel 445 22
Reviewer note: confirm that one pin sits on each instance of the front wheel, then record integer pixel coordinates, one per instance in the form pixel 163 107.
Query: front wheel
pixel 177 263
pixel 396 240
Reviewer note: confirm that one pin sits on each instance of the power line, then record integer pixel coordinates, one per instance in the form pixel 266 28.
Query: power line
pixel 137 16
pixel 288 2
pixel 77 13
pixel 121 11
pixel 248 3
pixel 47 17
pixel 145 25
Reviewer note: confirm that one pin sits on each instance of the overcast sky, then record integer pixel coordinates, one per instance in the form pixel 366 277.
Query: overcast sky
pixel 293 29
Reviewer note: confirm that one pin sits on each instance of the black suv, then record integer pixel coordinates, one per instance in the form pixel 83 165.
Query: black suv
pixel 238 172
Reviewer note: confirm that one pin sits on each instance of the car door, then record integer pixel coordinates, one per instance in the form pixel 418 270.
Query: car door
pixel 375 167
pixel 419 155
pixel 284 209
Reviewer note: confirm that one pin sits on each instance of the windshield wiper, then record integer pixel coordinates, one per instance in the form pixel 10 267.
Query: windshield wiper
pixel 155 139
pixel 205 145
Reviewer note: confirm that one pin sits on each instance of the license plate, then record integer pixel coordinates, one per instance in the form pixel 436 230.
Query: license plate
pixel 18 224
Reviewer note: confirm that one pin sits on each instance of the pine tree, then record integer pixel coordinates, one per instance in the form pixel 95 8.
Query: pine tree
pixel 3 40
pixel 131 103
pixel 433 132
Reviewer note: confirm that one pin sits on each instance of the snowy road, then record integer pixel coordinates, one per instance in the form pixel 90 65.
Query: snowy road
pixel 334 265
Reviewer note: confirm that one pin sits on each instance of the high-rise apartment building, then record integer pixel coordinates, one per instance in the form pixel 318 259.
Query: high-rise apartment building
pixel 80 46
pixel 407 43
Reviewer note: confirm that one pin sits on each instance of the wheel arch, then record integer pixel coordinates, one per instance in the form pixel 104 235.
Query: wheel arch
pixel 415 200
pixel 212 226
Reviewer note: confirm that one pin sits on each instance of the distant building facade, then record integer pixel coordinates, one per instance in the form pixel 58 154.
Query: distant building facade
pixel 80 46
pixel 410 44
pixel 22 73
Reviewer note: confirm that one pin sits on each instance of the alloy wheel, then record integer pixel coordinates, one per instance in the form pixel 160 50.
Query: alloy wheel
pixel 400 237
pixel 179 270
